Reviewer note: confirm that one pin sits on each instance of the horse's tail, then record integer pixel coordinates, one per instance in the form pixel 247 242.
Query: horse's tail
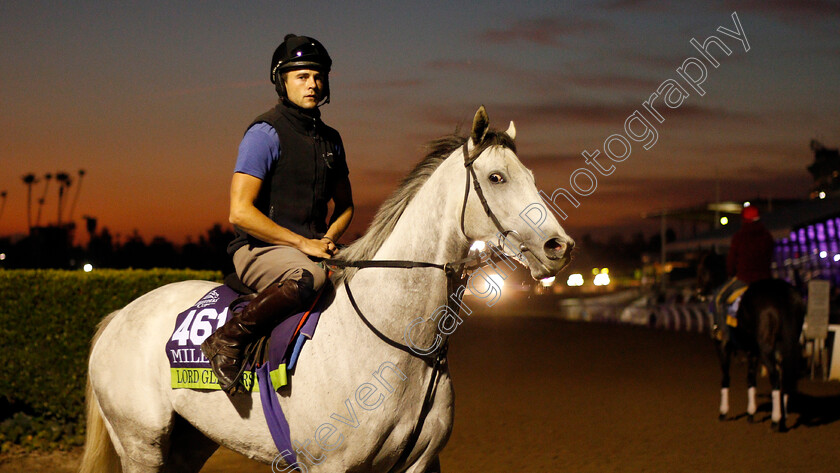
pixel 99 455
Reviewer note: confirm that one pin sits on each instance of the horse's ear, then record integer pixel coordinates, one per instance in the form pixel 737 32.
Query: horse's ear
pixel 511 131
pixel 481 123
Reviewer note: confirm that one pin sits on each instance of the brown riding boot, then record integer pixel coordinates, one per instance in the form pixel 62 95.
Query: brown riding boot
pixel 225 348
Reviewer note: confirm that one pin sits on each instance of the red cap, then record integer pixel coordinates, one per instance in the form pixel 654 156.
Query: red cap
pixel 749 214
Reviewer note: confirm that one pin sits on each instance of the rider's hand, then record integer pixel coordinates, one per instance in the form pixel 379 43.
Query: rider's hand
pixel 331 248
pixel 318 248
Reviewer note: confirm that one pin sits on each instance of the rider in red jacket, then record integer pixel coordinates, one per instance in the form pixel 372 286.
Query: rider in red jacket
pixel 751 250
pixel 749 258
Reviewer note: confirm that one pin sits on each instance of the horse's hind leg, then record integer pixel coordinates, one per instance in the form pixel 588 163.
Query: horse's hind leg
pixel 752 369
pixel 139 428
pixel 189 449
pixel 177 447
pixel 777 416
pixel 724 354
pixel 140 450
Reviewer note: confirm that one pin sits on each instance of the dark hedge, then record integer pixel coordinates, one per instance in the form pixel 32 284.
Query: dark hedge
pixel 47 319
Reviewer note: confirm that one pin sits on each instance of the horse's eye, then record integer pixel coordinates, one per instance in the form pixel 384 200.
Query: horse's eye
pixel 496 178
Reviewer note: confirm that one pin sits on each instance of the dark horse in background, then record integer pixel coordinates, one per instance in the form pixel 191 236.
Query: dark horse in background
pixel 769 323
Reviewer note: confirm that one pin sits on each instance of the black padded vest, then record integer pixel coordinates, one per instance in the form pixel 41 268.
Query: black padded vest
pixel 299 185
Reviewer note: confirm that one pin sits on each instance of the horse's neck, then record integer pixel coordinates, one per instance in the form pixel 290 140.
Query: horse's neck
pixel 428 230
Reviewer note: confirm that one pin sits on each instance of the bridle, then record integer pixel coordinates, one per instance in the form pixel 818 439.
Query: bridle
pixel 503 234
pixel 468 164
pixel 455 277
pixel 454 270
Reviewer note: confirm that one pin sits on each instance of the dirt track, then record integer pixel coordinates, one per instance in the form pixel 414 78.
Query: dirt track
pixel 541 395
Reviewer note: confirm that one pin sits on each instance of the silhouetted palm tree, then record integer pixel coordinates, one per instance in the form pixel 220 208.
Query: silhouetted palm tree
pixel 2 202
pixel 29 179
pixel 76 195
pixel 47 179
pixel 63 180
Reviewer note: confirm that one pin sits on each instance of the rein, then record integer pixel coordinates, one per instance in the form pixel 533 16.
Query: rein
pixel 437 358
pixel 454 277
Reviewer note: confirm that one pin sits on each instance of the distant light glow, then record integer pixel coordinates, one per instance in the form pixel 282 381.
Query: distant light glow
pixel 822 195
pixel 837 257
pixel 595 271
pixel 497 280
pixel 724 220
pixel 546 282
pixel 87 267
pixel 747 204
pixel 486 284
pixel 478 246
pixel 602 279
pixel 605 270
pixel 575 280
pixel 2 256
pixel 823 254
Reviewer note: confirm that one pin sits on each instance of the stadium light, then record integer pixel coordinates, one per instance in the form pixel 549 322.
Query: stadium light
pixel 575 280
pixel 602 279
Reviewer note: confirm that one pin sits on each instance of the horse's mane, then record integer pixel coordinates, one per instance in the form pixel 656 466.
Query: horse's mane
pixel 392 209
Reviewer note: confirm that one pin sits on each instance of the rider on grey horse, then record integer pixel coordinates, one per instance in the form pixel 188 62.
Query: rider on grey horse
pixel 290 166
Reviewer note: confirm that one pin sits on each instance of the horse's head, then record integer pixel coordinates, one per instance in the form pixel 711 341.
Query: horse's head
pixel 514 215
pixel 711 272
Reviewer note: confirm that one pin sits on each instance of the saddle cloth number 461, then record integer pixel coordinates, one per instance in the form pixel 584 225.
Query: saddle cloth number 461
pixel 196 327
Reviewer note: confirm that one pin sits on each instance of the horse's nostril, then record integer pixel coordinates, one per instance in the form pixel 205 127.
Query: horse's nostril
pixel 556 248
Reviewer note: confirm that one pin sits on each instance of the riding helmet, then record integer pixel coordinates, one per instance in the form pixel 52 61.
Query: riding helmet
pixel 299 52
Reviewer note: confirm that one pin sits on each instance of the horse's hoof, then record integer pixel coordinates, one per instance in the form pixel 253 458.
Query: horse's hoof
pixel 778 427
pixel 721 417
pixel 750 418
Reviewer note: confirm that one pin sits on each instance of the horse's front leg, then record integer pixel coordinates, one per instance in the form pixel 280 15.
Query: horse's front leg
pixel 724 354
pixel 752 370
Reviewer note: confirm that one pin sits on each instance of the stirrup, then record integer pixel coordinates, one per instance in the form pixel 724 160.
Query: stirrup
pixel 232 388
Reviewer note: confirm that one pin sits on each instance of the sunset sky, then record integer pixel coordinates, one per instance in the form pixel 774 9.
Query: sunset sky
pixel 152 100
